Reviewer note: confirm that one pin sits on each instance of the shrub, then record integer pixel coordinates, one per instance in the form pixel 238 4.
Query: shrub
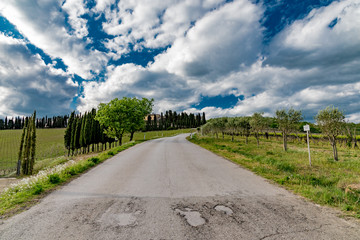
pixel 95 160
pixel 54 178
pixel 111 153
pixel 38 188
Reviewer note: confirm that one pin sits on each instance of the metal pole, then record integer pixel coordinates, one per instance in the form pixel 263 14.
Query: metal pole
pixel 308 142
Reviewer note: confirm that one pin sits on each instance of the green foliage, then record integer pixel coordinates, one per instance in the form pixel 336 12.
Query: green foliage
pixel 68 132
pixel 94 160
pixel 38 188
pixel 54 178
pixel 28 139
pixel 126 114
pixel 258 123
pixel 287 121
pixel 331 122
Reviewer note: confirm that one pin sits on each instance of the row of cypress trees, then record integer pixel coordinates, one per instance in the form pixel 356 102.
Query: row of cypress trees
pixel 26 158
pixel 44 122
pixel 172 120
pixel 84 132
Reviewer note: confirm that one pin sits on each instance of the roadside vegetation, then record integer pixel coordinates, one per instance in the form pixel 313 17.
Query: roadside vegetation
pixel 276 149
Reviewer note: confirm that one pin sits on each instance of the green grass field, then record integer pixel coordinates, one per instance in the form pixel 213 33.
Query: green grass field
pixel 326 182
pixel 50 148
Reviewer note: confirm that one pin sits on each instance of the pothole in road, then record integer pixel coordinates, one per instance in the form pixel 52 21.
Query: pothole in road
pixel 226 210
pixel 120 219
pixel 192 217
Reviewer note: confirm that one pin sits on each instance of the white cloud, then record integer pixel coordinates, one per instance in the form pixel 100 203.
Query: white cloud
pixel 76 8
pixel 42 23
pixel 152 24
pixel 223 41
pixel 27 83
pixel 316 41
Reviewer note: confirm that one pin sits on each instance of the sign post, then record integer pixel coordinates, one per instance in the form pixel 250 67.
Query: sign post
pixel 307 130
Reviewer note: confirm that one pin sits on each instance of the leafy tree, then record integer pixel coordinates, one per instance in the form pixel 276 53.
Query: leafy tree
pixel 136 111
pixel 232 126
pixel 258 124
pixel 287 121
pixel 331 122
pixel 244 126
pixel 122 115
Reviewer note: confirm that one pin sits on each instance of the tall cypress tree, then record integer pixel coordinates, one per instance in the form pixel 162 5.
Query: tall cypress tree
pixel 33 144
pixel 203 120
pixel 87 131
pixel 68 132
pixel 73 131
pixel 21 150
pixel 82 140
pixel 28 143
pixel 77 135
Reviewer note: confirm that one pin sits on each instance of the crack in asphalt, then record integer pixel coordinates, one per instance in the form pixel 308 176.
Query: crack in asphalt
pixel 300 231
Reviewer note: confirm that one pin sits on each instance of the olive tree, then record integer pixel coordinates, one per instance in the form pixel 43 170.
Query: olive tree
pixel 244 127
pixel 232 126
pixel 258 124
pixel 287 122
pixel 331 122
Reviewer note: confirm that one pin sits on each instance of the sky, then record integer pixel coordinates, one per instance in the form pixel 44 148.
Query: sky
pixel 224 58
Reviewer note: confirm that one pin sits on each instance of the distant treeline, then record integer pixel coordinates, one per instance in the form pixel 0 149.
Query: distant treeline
pixel 45 122
pixel 172 120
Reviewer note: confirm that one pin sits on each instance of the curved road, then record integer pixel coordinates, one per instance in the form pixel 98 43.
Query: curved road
pixel 172 189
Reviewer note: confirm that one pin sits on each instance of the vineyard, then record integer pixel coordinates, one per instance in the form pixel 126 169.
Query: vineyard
pixel 50 145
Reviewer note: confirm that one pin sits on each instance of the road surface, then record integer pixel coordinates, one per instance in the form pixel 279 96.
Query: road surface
pixel 172 189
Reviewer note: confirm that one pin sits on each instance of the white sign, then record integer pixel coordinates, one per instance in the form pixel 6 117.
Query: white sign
pixel 306 128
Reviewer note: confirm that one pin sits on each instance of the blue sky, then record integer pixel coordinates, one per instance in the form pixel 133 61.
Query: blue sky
pixel 227 58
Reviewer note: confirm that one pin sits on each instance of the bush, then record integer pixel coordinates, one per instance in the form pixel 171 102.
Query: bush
pixel 94 160
pixel 54 178
pixel 72 171
pixel 111 153
pixel 38 188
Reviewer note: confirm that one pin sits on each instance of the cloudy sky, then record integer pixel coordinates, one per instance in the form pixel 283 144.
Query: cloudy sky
pixel 227 58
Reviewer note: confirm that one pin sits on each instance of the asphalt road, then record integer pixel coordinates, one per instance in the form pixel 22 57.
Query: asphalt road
pixel 172 189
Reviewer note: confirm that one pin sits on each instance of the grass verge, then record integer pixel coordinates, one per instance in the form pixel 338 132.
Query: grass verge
pixel 326 182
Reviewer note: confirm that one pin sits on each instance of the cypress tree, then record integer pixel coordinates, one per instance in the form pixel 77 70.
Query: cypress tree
pixel 68 132
pixel 87 132
pixel 20 150
pixel 25 162
pixel 203 120
pixel 72 137
pixel 155 123
pixel 82 140
pixel 33 144
pixel 77 135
